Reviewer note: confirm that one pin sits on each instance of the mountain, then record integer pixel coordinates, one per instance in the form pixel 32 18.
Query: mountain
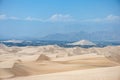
pixel 82 42
pixel 66 37
pixel 93 36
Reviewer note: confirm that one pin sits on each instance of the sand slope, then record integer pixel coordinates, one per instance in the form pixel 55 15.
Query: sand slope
pixel 59 63
pixel 110 73
pixel 45 66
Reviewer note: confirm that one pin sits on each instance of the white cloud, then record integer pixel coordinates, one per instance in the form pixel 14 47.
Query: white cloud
pixel 64 18
pixel 14 18
pixel 112 18
pixel 53 18
pixel 3 17
pixel 32 19
pixel 109 18
pixel 60 18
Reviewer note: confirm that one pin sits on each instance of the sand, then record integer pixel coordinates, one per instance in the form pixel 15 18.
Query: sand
pixel 109 73
pixel 57 63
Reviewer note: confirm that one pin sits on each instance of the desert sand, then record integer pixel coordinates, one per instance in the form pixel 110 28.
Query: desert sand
pixel 57 63
pixel 109 73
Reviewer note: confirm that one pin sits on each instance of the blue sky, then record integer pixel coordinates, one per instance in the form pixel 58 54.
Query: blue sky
pixel 37 18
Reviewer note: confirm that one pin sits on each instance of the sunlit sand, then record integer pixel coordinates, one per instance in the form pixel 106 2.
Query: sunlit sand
pixel 35 63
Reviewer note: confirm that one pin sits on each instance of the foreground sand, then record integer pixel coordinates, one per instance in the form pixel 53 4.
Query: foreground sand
pixel 109 73
pixel 56 63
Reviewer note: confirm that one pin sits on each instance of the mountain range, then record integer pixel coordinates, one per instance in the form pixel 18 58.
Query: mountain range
pixel 76 36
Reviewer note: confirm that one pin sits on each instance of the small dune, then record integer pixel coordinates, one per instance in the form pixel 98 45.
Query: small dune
pixel 43 57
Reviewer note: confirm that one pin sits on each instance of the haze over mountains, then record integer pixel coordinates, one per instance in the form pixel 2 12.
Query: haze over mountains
pixel 75 36
pixel 93 36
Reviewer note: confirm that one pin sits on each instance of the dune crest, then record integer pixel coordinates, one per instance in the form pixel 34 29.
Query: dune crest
pixel 43 57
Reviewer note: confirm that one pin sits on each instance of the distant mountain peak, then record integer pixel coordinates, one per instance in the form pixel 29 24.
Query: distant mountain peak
pixel 82 42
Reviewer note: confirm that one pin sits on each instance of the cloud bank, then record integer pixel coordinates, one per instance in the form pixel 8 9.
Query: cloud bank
pixel 110 18
pixel 53 18
pixel 60 18
pixel 3 17
pixel 63 18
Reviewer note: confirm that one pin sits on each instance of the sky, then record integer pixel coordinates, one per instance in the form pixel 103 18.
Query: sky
pixel 38 18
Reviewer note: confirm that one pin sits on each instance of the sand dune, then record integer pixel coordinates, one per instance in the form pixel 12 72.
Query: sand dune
pixel 7 64
pixel 45 66
pixel 43 57
pixel 109 73
pixel 59 63
pixel 5 73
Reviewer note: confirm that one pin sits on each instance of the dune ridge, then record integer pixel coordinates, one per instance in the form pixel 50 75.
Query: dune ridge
pixel 41 60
